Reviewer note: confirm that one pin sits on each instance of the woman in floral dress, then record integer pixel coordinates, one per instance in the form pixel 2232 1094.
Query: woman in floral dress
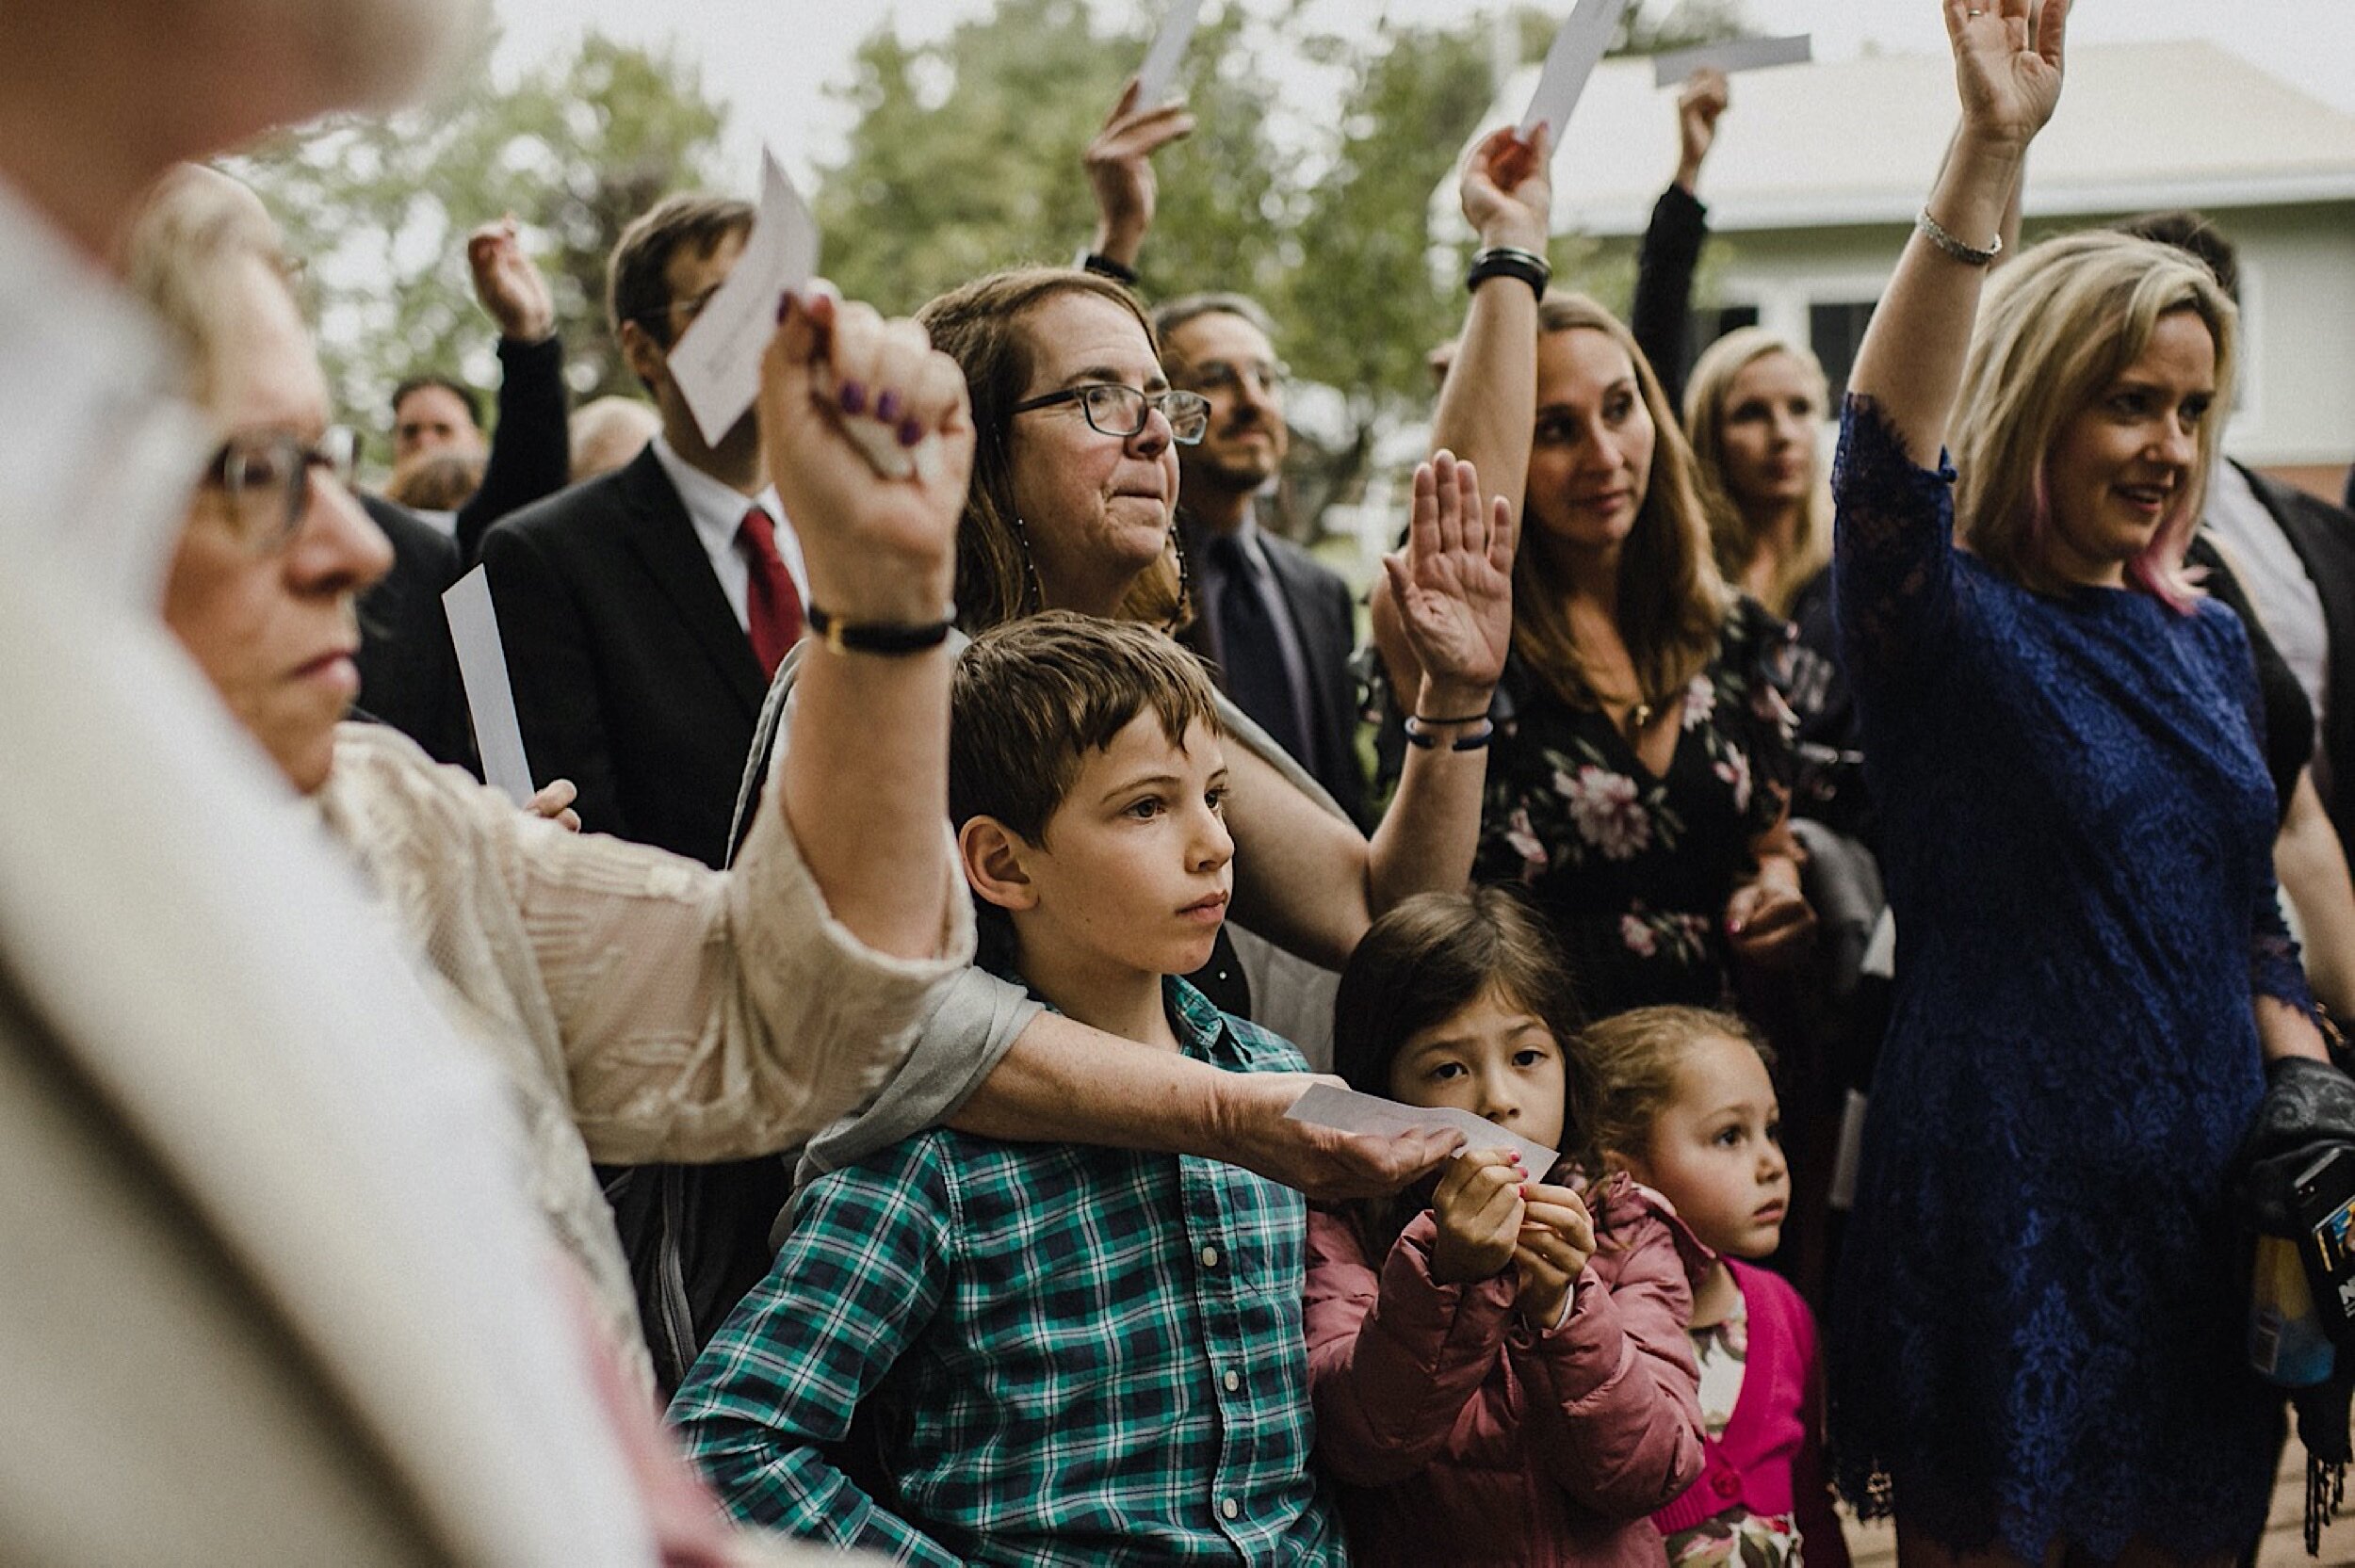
pixel 1639 786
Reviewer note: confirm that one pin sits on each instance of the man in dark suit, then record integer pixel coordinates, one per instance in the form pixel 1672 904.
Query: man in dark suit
pixel 643 611
pixel 1277 626
pixel 408 667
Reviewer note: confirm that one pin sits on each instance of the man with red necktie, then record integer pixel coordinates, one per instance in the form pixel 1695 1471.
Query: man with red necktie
pixel 645 611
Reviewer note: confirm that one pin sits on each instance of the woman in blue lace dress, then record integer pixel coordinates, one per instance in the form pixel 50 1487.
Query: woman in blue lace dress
pixel 2037 1334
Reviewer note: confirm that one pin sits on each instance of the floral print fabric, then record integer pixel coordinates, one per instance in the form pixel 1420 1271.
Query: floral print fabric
pixel 1633 869
pixel 1736 1536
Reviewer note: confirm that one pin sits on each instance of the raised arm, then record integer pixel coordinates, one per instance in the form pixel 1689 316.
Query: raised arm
pixel 866 784
pixel 1487 409
pixel 2008 73
pixel 1302 877
pixel 1661 314
pixel 531 447
pixel 1119 163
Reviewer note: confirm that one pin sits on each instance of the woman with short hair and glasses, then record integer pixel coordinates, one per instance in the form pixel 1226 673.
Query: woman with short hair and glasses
pixel 1072 507
pixel 642 1007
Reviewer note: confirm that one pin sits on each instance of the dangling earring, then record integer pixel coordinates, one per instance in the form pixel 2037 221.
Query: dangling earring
pixel 1034 591
pixel 1183 615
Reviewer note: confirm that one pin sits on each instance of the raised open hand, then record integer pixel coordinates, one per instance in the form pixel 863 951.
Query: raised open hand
pixel 2007 64
pixel 870 444
pixel 1452 586
pixel 509 283
pixel 1120 171
pixel 1506 190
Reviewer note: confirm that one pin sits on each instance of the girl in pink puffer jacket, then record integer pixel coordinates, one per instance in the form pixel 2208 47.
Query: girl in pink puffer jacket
pixel 1498 1364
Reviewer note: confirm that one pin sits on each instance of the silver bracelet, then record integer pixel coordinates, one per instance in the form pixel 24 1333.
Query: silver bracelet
pixel 1969 255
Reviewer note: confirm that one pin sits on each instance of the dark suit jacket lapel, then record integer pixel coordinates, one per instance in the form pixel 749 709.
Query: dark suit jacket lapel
pixel 665 540
pixel 1313 604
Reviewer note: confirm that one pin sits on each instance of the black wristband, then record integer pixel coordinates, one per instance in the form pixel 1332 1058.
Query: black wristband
pixel 1505 261
pixel 887 638
pixel 1104 266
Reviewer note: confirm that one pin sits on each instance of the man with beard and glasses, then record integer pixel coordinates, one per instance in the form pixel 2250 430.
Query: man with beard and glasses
pixel 1277 623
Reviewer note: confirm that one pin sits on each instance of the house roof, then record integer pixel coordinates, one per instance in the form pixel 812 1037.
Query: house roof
pixel 2153 125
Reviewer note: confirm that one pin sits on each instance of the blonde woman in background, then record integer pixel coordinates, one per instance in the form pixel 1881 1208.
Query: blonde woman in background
pixel 1754 412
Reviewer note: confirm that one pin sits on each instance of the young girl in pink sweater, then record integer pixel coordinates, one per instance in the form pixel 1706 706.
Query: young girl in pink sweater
pixel 1498 1362
pixel 1687 1108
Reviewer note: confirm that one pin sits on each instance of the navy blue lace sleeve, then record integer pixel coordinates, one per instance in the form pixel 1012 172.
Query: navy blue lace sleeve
pixel 1893 577
pixel 2275 968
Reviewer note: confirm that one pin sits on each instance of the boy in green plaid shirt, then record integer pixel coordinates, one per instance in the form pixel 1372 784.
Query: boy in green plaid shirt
pixel 1055 1353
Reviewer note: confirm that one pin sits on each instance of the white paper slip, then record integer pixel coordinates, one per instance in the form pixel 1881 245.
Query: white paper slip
pixel 1578 48
pixel 474 627
pixel 1741 54
pixel 1346 1110
pixel 1168 53
pixel 717 360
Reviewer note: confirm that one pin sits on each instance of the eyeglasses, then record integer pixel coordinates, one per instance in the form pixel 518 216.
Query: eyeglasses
pixel 267 479
pixel 1223 376
pixel 1114 409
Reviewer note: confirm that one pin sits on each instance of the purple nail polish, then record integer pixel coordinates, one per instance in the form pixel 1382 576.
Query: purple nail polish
pixel 852 396
pixel 887 407
pixel 911 431
pixel 785 304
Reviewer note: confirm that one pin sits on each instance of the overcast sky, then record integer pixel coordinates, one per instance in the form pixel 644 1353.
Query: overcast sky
pixel 772 60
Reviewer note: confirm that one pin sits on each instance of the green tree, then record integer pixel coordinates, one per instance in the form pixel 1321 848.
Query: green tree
pixel 1361 305
pixel 378 210
pixel 965 157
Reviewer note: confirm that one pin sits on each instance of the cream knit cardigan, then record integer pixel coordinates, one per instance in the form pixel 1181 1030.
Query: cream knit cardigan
pixel 644 1008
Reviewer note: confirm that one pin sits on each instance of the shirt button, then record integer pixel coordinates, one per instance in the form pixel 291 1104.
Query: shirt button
pixel 1231 1508
pixel 1210 1257
pixel 1231 1382
pixel 1728 1484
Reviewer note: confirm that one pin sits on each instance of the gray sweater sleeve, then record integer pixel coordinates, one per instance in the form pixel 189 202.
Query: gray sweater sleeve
pixel 977 1022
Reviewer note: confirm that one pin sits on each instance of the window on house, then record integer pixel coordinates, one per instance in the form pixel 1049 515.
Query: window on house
pixel 1835 329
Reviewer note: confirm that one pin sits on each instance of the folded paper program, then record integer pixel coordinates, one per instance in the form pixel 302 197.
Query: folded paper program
pixel 1328 1105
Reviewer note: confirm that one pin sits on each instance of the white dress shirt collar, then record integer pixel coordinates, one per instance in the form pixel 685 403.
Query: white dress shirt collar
pixel 716 510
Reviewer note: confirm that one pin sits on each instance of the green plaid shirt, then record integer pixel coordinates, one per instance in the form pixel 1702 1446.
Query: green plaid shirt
pixel 1057 1354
